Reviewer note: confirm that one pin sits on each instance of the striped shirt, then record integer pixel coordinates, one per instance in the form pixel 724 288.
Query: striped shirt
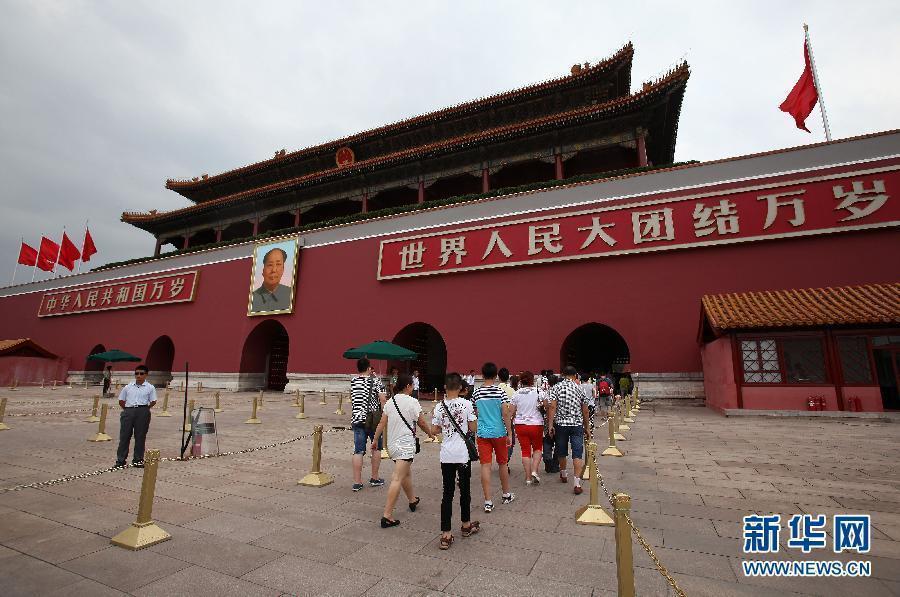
pixel 568 397
pixel 488 401
pixel 364 391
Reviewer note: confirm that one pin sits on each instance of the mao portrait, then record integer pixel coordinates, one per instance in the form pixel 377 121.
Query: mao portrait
pixel 273 277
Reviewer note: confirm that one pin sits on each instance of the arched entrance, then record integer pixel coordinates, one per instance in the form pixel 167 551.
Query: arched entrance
pixel 432 362
pixel 264 357
pixel 91 365
pixel 160 357
pixel 594 347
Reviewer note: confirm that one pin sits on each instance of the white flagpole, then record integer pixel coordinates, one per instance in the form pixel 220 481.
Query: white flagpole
pixel 34 270
pixel 59 252
pixel 80 259
pixel 812 63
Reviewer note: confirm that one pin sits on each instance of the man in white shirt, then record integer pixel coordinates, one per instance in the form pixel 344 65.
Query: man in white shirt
pixel 470 379
pixel 415 378
pixel 136 400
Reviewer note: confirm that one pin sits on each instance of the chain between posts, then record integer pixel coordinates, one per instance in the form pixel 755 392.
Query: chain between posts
pixel 637 534
pixel 68 478
pixel 56 412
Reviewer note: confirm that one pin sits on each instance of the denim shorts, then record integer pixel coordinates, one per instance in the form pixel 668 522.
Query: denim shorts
pixel 565 435
pixel 361 438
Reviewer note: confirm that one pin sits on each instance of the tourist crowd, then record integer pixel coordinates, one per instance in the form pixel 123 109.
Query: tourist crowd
pixel 546 415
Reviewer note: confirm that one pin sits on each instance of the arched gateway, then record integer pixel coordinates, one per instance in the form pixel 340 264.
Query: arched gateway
pixel 425 340
pixel 264 357
pixel 160 358
pixel 594 347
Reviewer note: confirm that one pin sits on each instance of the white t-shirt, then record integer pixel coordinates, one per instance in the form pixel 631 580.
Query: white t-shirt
pixel 588 389
pixel 398 432
pixel 415 383
pixel 526 402
pixel 470 379
pixel 453 448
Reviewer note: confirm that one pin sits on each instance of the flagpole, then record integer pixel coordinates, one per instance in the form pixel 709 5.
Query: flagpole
pixel 37 259
pixel 78 265
pixel 812 63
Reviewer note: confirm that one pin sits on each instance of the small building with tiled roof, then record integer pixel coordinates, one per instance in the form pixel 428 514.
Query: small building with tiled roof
pixel 25 362
pixel 832 348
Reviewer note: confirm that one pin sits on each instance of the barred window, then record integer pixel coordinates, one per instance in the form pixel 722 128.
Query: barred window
pixel 854 354
pixel 804 360
pixel 760 360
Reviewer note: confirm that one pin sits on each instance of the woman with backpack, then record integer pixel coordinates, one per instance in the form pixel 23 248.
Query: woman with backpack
pixel 455 418
pixel 400 415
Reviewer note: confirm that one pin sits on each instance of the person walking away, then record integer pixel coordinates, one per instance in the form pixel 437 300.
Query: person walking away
pixel 136 400
pixel 401 413
pixel 415 394
pixel 589 390
pixel 528 423
pixel 503 376
pixel 494 433
pixel 568 415
pixel 453 417
pixel 605 389
pixel 107 380
pixel 367 398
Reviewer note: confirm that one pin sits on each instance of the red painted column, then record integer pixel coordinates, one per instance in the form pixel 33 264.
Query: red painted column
pixel 158 248
pixel 421 192
pixel 297 218
pixel 187 241
pixel 642 151
pixel 255 226
pixel 218 235
pixel 559 167
pixel 485 180
pixel 365 202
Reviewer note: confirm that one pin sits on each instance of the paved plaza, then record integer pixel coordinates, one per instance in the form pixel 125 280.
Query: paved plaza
pixel 241 525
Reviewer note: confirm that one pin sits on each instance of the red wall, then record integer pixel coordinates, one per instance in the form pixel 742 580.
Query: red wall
pixel 786 398
pixel 718 374
pixel 516 316
pixel 31 370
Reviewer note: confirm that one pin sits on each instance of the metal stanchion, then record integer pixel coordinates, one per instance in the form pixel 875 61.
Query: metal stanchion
pixel 85 382
pixel 187 422
pixel 296 403
pixel 586 470
pixel 612 450
pixel 301 402
pixel 316 478
pixel 42 382
pixel 624 557
pixel 101 435
pixel 629 415
pixel 253 420
pixel 340 408
pixel 15 386
pixel 54 385
pixel 218 408
pixel 260 400
pixel 165 409
pixel 323 397
pixel 384 441
pixel 199 387
pixel 143 532
pixel 618 418
pixel 593 513
pixel 94 418
pixel 3 425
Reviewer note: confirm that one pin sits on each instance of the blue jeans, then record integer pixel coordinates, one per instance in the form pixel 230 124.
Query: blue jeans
pixel 566 435
pixel 361 437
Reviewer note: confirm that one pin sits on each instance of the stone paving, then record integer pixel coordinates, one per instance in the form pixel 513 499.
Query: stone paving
pixel 241 525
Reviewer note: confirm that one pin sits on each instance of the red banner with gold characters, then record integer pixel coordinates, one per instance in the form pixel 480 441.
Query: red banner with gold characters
pixel 136 292
pixel 818 205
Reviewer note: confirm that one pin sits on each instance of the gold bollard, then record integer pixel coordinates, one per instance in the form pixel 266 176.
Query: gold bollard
pixel 187 423
pixel 340 408
pixel 181 385
pixel 260 401
pixel 42 382
pixel 301 402
pixel 143 532
pixel 15 385
pixel 316 478
pixel 629 414
pixel 218 408
pixel 3 425
pixel 296 403
pixel 94 418
pixel 593 513
pixel 612 450
pixel 54 385
pixel 199 387
pixel 622 425
pixel 165 411
pixel 618 417
pixel 85 382
pixel 253 420
pixel 101 432
pixel 323 397
pixel 428 439
pixel 586 470
pixel 624 557
pixel 384 440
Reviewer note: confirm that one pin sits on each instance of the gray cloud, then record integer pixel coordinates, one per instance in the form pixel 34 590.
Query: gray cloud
pixel 100 102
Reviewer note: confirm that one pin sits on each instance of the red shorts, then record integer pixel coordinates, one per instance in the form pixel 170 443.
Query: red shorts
pixel 496 444
pixel 531 438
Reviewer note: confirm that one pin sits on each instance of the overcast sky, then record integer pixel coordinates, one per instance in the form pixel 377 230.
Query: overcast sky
pixel 101 102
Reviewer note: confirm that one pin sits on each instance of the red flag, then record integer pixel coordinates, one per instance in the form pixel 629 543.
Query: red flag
pixel 803 97
pixel 48 254
pixel 27 255
pixel 68 253
pixel 87 248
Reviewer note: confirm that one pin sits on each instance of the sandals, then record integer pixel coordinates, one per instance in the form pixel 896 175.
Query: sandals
pixel 472 529
pixel 446 542
pixel 413 505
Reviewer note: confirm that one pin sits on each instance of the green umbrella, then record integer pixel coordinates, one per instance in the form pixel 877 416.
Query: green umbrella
pixel 381 350
pixel 115 355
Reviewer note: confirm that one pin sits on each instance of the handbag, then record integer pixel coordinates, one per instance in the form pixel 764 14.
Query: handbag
pixel 373 417
pixel 408 426
pixel 468 438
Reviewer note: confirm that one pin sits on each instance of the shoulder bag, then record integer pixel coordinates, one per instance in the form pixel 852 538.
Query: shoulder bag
pixel 408 426
pixel 467 437
pixel 373 417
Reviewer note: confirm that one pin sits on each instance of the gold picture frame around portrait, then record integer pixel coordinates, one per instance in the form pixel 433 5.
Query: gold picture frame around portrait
pixel 273 296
